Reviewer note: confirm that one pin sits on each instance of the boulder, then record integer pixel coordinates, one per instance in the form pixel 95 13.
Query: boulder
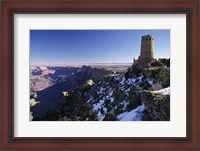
pixel 65 93
pixel 89 82
pixel 33 102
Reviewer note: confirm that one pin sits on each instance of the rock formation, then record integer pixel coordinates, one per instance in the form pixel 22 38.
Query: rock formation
pixel 157 105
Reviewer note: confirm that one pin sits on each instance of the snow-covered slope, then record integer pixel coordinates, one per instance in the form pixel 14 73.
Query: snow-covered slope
pixel 113 93
pixel 115 97
pixel 134 115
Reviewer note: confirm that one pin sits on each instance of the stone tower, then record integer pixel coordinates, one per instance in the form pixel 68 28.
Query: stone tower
pixel 146 52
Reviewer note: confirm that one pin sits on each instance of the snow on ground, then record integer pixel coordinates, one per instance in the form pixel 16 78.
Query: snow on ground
pixel 113 75
pixel 35 96
pixel 127 91
pixel 111 99
pixel 165 91
pixel 90 99
pixel 168 68
pixel 150 80
pixel 97 107
pixel 78 71
pixel 110 91
pixel 134 115
pixel 140 78
pixel 100 116
pixel 131 81
pixel 124 103
pixel 100 91
pixel 122 80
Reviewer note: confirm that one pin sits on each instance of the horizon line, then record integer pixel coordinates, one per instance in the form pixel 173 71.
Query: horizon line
pixel 81 63
pixel 89 63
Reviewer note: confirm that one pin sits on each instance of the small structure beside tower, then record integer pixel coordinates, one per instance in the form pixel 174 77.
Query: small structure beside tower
pixel 146 52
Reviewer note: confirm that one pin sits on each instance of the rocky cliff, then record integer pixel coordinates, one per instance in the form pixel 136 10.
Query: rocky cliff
pixel 50 95
pixel 157 105
pixel 129 95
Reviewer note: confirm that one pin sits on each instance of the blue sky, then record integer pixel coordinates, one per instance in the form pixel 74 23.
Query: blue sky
pixel 58 47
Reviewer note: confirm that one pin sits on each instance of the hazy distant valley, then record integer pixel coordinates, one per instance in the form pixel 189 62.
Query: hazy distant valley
pixel 48 82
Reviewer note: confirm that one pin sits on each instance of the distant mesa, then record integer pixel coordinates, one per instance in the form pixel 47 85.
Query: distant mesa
pixel 46 71
pixel 43 68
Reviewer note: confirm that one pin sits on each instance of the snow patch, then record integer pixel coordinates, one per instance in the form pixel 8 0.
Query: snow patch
pixel 97 107
pixel 122 80
pixel 134 115
pixel 124 103
pixel 165 91
pixel 150 81
pixel 111 99
pixel 140 78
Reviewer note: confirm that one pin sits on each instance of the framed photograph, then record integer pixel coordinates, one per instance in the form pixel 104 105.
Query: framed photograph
pixel 100 75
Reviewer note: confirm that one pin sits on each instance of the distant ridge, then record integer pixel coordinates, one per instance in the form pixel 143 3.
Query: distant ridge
pixel 82 64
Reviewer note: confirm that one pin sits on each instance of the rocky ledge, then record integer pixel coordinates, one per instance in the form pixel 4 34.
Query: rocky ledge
pixel 157 105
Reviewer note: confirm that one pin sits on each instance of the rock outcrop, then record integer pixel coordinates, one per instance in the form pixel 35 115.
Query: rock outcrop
pixel 157 105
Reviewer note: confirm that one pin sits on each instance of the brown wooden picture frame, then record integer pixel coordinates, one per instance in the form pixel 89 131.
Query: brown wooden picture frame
pixel 11 7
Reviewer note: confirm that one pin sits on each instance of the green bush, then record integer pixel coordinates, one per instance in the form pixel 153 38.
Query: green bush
pixel 133 103
pixel 156 64
pixel 160 75
pixel 126 75
pixel 63 119
pixel 136 70
pixel 110 116
pixel 165 62
pixel 86 112
pixel 147 86
pixel 134 90
pixel 141 84
pixel 163 75
pixel 85 88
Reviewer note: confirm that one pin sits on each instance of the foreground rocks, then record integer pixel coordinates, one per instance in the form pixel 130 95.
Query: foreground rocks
pixel 157 105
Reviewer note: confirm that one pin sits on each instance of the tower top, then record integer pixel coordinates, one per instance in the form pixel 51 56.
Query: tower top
pixel 147 37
